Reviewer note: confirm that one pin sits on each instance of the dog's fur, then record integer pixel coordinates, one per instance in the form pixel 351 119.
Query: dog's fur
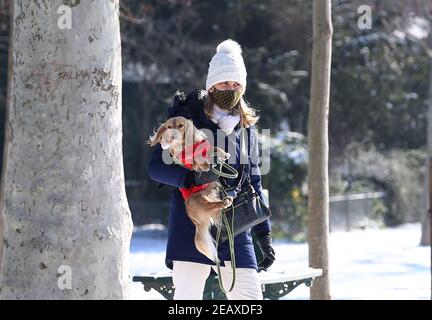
pixel 204 206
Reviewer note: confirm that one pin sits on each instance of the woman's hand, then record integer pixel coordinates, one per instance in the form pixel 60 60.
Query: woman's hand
pixel 264 241
pixel 194 178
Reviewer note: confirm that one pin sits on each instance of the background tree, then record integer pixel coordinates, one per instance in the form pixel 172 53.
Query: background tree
pixel 318 183
pixel 67 220
pixel 426 9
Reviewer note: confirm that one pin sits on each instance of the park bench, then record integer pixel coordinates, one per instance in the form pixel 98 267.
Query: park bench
pixel 274 284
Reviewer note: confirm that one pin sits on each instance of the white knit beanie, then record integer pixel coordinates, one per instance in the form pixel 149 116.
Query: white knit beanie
pixel 227 65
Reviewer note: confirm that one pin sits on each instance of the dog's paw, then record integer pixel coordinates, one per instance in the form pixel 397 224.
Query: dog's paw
pixel 205 166
pixel 200 167
pixel 228 201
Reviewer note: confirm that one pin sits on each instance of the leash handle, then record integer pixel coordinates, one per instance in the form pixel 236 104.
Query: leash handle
pixel 230 232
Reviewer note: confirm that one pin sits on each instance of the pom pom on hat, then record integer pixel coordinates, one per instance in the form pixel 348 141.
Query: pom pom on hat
pixel 229 47
pixel 227 64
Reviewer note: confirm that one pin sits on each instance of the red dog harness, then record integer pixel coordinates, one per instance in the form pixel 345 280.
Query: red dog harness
pixel 200 149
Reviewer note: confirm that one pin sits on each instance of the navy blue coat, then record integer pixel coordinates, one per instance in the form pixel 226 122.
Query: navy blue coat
pixel 181 230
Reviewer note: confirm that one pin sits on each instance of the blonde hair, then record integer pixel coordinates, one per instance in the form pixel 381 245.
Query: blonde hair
pixel 248 116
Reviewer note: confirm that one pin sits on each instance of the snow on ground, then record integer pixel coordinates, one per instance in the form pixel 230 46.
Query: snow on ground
pixel 375 264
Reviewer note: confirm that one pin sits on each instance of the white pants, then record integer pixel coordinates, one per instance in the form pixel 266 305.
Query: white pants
pixel 189 280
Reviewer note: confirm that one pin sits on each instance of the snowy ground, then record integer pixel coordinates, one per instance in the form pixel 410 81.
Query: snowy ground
pixel 383 264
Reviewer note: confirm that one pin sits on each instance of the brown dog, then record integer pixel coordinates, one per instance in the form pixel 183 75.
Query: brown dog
pixel 203 205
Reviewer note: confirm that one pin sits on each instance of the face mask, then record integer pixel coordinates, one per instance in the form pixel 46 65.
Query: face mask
pixel 227 99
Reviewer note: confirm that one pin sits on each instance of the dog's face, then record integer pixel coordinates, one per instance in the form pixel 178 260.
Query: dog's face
pixel 176 131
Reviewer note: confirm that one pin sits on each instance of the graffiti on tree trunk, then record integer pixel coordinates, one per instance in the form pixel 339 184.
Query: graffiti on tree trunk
pixel 46 78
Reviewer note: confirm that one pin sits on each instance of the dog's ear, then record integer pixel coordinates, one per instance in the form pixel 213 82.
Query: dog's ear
pixel 191 132
pixel 189 129
pixel 199 135
pixel 157 136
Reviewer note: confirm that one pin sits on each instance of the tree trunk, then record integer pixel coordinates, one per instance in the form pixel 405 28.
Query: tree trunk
pixel 426 221
pixel 318 189
pixel 9 82
pixel 67 222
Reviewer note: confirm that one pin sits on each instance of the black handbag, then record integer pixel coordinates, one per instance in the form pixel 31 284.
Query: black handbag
pixel 247 210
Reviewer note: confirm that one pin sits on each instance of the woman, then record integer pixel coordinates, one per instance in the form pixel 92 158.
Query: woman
pixel 222 110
